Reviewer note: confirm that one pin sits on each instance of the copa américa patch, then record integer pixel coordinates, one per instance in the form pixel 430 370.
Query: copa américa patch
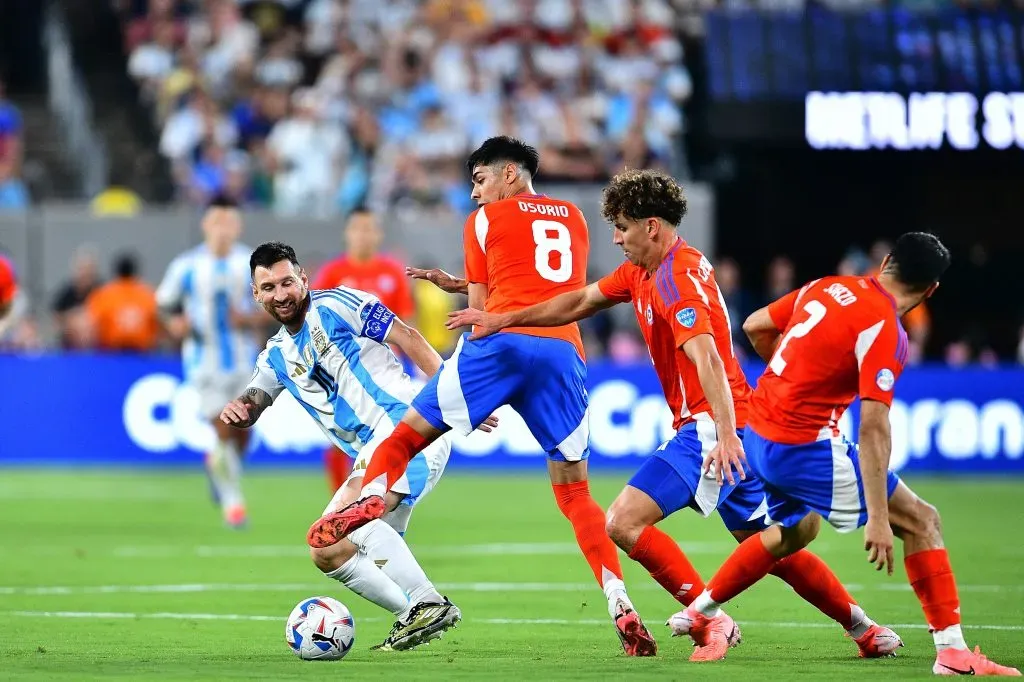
pixel 885 379
pixel 687 317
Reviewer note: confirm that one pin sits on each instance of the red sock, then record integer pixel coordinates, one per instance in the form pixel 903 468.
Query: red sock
pixel 931 576
pixel 337 466
pixel 587 519
pixel 745 566
pixel 661 556
pixel 812 579
pixel 393 455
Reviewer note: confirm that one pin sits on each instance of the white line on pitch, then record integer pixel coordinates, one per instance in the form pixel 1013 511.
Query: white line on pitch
pixel 99 615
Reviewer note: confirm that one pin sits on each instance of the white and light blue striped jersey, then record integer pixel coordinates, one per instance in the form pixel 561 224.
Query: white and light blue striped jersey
pixel 338 366
pixel 207 288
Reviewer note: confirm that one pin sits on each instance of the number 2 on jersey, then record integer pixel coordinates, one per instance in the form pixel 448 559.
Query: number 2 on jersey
pixel 815 313
pixel 561 244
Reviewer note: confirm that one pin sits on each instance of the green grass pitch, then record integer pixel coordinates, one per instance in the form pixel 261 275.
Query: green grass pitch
pixel 131 575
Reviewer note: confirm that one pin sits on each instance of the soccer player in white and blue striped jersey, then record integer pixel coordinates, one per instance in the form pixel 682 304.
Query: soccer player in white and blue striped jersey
pixel 206 301
pixel 332 356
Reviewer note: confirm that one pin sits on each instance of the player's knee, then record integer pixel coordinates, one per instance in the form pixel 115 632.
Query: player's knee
pixel 623 524
pixel 329 559
pixel 929 523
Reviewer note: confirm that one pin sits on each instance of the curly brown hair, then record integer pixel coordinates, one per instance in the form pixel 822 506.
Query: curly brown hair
pixel 640 194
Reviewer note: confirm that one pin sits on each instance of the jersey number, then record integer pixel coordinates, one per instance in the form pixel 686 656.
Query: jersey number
pixel 322 377
pixel 561 244
pixel 815 313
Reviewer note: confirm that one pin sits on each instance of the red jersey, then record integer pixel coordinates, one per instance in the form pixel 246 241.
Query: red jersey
pixel 8 281
pixel 527 249
pixel 673 305
pixel 841 338
pixel 381 276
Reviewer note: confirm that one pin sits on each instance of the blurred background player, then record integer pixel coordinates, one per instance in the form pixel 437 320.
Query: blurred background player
pixel 363 267
pixel 123 312
pixel 206 300
pixel 520 248
pixel 312 358
pixel 9 294
pixel 686 326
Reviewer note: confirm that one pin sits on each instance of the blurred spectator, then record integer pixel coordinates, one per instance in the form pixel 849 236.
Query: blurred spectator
pixel 72 324
pixel 780 279
pixel 123 312
pixel 13 196
pixel 117 201
pixel 738 302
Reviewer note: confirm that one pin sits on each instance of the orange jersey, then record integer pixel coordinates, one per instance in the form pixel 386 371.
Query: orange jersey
pixel 840 339
pixel 8 281
pixel 673 305
pixel 125 315
pixel 528 249
pixel 381 276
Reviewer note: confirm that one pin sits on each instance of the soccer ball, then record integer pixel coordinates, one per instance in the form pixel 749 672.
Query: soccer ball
pixel 320 629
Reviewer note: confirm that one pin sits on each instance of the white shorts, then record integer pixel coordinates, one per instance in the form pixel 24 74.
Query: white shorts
pixel 420 477
pixel 218 389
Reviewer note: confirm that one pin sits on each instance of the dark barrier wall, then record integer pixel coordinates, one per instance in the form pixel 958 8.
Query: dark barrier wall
pixel 135 412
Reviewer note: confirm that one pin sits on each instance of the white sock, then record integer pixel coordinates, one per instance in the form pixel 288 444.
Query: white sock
pixel 950 638
pixel 706 606
pixel 232 493
pixel 860 621
pixel 386 548
pixel 614 590
pixel 362 576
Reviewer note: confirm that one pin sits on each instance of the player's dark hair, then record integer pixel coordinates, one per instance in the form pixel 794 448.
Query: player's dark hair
pixel 505 149
pixel 126 265
pixel 222 201
pixel 918 260
pixel 268 253
pixel 642 194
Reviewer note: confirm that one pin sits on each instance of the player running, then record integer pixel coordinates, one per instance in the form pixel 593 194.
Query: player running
pixel 206 303
pixel 332 355
pixel 827 343
pixel 520 248
pixel 683 319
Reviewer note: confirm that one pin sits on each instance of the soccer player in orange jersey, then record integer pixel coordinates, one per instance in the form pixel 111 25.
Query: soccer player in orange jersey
pixel 683 319
pixel 827 343
pixel 521 248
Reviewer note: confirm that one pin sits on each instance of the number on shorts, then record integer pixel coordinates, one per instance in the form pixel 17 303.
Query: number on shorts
pixel 561 244
pixel 816 312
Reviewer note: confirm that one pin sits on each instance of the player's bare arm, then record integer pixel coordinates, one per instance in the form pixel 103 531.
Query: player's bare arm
pixel 762 332
pixel 243 411
pixel 440 279
pixel 714 381
pixel 175 322
pixel 563 309
pixel 875 447
pixel 415 346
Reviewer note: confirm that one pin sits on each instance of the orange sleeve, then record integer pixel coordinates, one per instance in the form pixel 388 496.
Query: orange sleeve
pixel 686 305
pixel 781 310
pixel 882 363
pixel 475 232
pixel 616 286
pixel 326 277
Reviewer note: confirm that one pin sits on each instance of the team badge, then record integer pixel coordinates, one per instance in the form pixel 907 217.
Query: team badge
pixel 687 317
pixel 649 314
pixel 307 355
pixel 885 379
pixel 320 340
pixel 374 329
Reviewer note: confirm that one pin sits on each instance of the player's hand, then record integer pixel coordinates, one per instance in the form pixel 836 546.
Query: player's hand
pixel 878 541
pixel 235 413
pixel 726 455
pixel 179 327
pixel 488 424
pixel 439 278
pixel 484 324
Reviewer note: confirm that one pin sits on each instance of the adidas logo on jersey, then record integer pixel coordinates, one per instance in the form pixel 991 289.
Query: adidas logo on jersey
pixel 299 371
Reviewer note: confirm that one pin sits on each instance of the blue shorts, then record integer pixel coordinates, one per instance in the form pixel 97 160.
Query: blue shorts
pixel 672 477
pixel 821 477
pixel 542 379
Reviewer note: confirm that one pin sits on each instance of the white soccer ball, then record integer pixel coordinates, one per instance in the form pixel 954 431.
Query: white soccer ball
pixel 320 629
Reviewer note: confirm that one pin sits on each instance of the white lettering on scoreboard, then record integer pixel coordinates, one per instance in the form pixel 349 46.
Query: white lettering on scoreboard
pixel 929 120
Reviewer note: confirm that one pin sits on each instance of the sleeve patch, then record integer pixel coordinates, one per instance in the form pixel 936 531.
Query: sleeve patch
pixel 885 379
pixel 377 321
pixel 687 317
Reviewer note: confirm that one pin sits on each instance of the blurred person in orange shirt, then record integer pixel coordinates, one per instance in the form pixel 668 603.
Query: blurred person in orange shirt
pixel 363 267
pixel 123 312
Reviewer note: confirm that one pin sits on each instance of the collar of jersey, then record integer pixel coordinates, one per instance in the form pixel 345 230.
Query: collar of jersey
pixel 884 292
pixel 668 256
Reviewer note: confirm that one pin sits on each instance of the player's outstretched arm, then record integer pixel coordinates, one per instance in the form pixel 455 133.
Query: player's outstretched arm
pixel 568 307
pixel 762 332
pixel 415 346
pixel 243 411
pixel 875 447
pixel 440 279
pixel 714 381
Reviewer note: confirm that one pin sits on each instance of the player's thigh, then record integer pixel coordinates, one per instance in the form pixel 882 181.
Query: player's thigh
pixel 662 484
pixel 479 377
pixel 552 399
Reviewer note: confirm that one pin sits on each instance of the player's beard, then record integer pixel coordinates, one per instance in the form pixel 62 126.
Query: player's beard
pixel 290 313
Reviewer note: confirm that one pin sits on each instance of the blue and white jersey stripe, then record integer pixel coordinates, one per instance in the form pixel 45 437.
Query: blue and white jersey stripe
pixel 338 366
pixel 207 289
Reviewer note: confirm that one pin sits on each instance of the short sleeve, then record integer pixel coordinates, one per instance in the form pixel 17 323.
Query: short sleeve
pixel 881 351
pixel 687 304
pixel 474 244
pixel 781 310
pixel 264 377
pixel 616 286
pixel 362 312
pixel 174 284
